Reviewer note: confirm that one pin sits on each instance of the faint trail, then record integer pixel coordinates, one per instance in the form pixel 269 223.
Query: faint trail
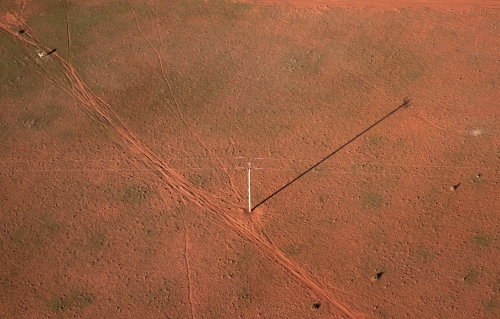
pixel 157 24
pixel 423 118
pixel 54 82
pixel 342 64
pixel 172 180
pixel 20 14
pixel 7 8
pixel 467 23
pixel 227 212
pixel 158 54
pixel 31 41
pixel 67 31
pixel 179 113
pixel 274 254
pixel 351 72
pixel 42 95
pixel 186 259
pixel 231 142
pixel 260 231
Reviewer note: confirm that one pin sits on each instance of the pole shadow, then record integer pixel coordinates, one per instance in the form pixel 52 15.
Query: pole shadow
pixel 406 103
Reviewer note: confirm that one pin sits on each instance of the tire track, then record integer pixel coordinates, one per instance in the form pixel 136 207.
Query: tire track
pixel 68 34
pixel 169 86
pixel 186 259
pixel 227 212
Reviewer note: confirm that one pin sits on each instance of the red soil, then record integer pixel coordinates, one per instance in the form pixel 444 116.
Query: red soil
pixel 123 182
pixel 458 5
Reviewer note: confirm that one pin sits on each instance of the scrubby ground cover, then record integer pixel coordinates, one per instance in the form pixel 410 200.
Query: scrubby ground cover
pixel 123 183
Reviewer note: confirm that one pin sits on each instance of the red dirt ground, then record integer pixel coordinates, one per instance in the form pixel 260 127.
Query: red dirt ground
pixel 123 158
pixel 385 5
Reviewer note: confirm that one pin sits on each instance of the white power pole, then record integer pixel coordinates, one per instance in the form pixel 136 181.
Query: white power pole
pixel 249 195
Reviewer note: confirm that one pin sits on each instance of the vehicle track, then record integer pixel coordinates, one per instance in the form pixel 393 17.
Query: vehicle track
pixel 227 212
pixel 171 92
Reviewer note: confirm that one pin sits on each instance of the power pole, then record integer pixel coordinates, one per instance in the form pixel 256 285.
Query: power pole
pixel 249 194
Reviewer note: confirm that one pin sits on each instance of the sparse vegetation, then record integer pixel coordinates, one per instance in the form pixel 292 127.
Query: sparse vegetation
pixel 482 240
pixel 40 120
pixel 491 305
pixel 75 300
pixel 243 294
pixel 50 225
pixel 371 200
pixel 187 86
pixel 96 241
pixel 135 194
pixel 149 233
pixel 198 180
pixel 291 250
pixel 471 277
pixel 299 61
pixel 425 255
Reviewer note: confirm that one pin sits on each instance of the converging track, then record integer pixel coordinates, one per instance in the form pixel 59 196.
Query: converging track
pixel 227 212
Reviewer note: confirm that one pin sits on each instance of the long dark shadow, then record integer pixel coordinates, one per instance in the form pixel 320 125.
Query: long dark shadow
pixel 406 103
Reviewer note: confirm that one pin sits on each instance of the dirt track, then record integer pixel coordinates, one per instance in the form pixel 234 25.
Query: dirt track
pixel 274 234
pixel 457 5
